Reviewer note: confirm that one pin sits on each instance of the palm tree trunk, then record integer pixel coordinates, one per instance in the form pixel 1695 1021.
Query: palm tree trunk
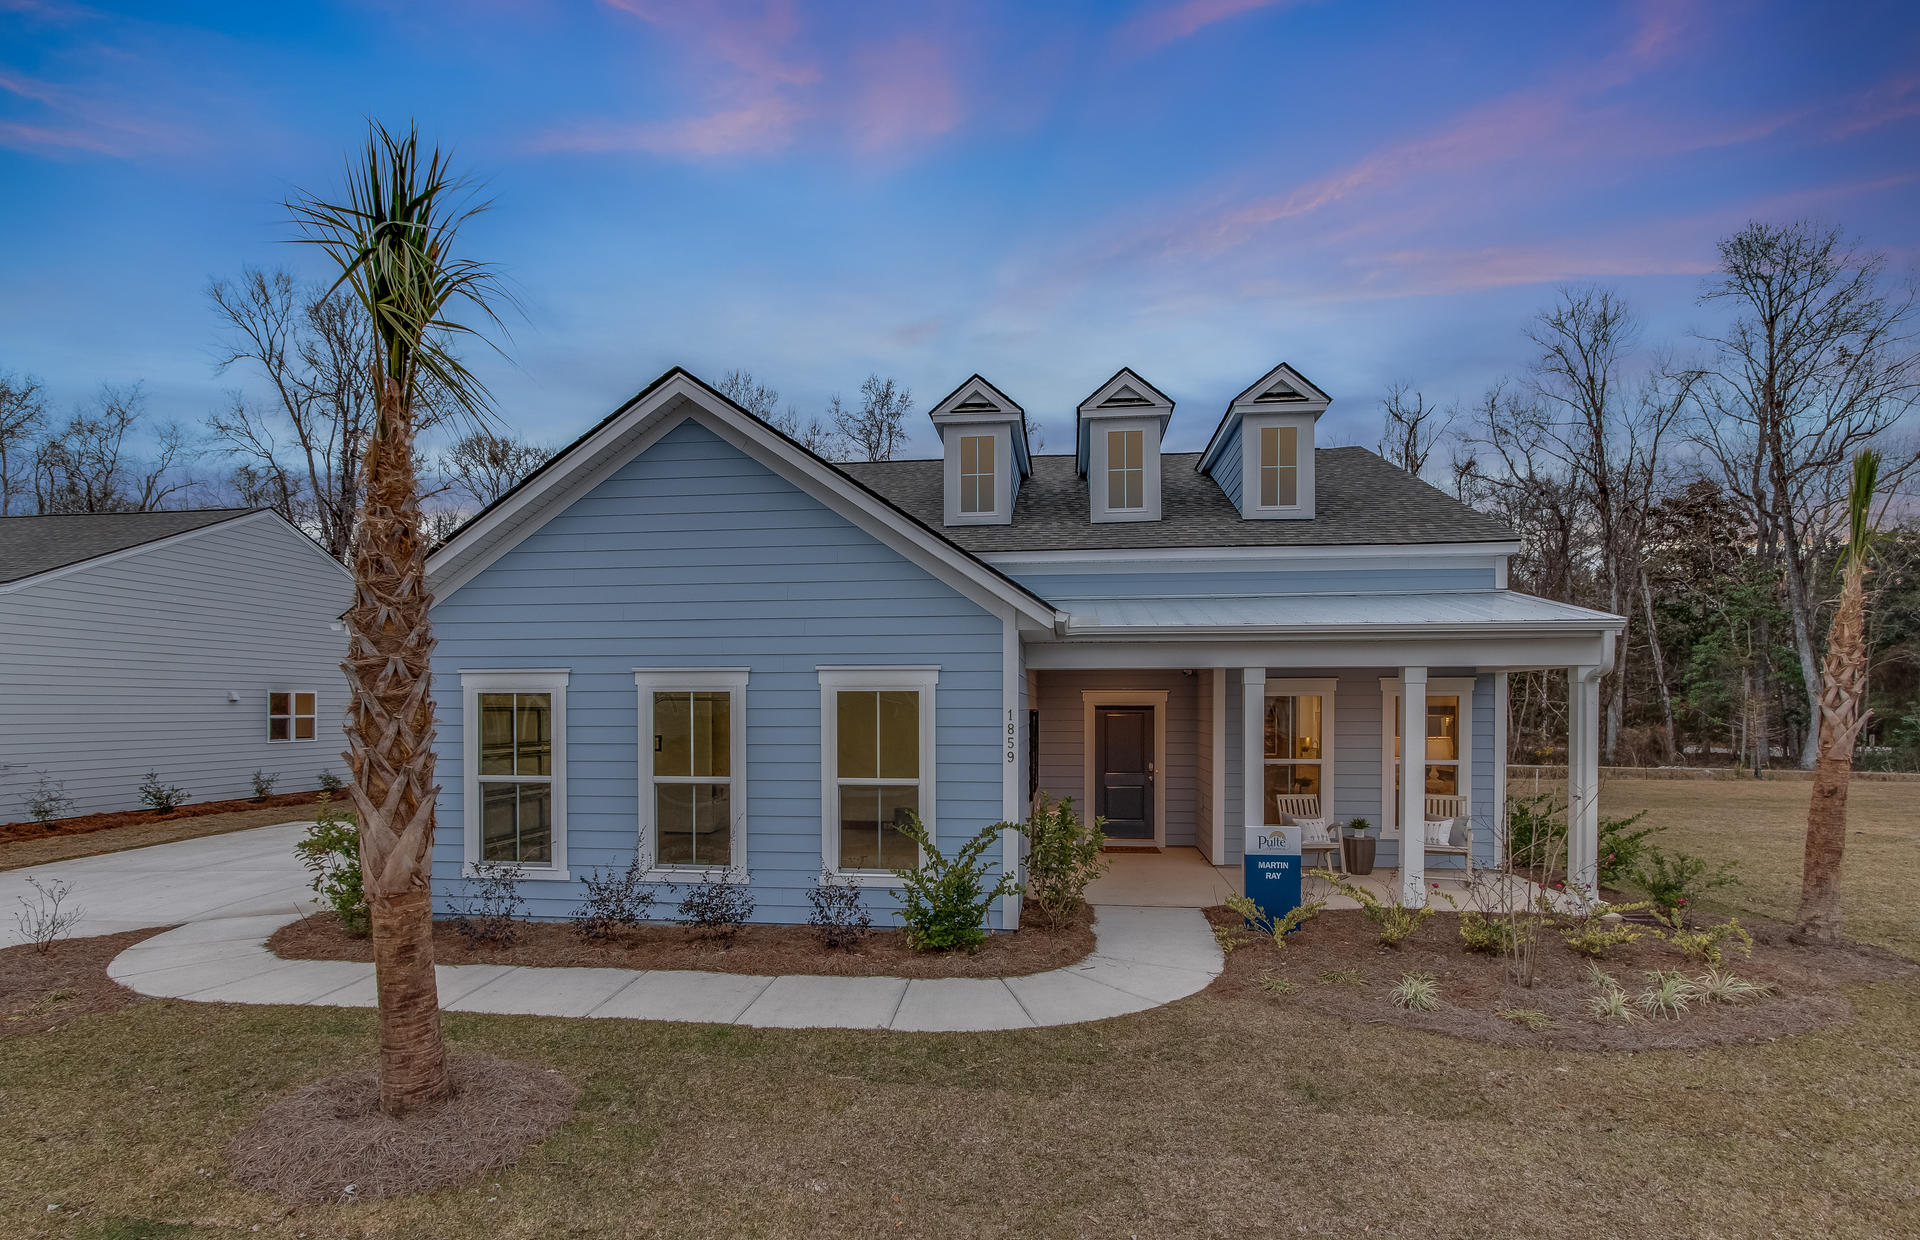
pixel 390 738
pixel 1843 678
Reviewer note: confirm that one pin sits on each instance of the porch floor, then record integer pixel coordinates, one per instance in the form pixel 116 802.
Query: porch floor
pixel 1182 878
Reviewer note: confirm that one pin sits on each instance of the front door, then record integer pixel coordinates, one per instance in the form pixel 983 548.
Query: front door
pixel 1123 770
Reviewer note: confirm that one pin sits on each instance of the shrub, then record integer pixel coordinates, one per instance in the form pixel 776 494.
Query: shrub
pixel 946 899
pixel 160 797
pixel 716 907
pixel 1276 928
pixel 489 916
pixel 1667 994
pixel 1395 923
pixel 46 919
pixel 1493 935
pixel 263 785
pixel 616 900
pixel 1231 940
pixel 1416 992
pixel 1274 984
pixel 49 801
pixel 1063 856
pixel 1595 937
pixel 1532 1018
pixel 331 783
pixel 1716 986
pixel 1537 837
pixel 1611 1001
pixel 838 917
pixel 330 850
pixel 1676 880
pixel 1342 977
pixel 1709 946
pixel 1622 847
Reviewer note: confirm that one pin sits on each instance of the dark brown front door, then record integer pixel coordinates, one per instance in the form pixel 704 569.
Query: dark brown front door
pixel 1123 770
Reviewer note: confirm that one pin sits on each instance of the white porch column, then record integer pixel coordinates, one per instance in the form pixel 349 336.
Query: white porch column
pixel 1583 780
pixel 1412 809
pixel 1253 740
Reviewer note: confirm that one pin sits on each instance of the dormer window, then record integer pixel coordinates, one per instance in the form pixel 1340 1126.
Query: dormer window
pixel 976 474
pixel 1262 452
pixel 1119 431
pixel 984 435
pixel 1279 466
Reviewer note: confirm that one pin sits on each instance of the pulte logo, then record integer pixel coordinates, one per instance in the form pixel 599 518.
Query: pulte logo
pixel 1272 839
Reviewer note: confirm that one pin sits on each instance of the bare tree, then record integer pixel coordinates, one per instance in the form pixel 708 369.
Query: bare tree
pixel 1412 427
pixel 1818 364
pixel 877 429
pixel 763 402
pixel 87 466
pixel 484 466
pixel 23 411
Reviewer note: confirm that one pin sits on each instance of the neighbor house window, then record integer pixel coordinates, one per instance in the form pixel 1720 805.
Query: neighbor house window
pixel 1126 472
pixel 1279 466
pixel 876 765
pixel 1446 771
pixel 515 728
pixel 693 801
pixel 976 473
pixel 290 716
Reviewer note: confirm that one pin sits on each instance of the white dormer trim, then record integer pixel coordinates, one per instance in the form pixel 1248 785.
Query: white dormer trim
pixel 1002 511
pixel 1253 428
pixel 1122 404
pixel 1266 395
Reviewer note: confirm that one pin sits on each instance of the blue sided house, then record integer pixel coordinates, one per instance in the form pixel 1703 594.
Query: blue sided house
pixel 688 639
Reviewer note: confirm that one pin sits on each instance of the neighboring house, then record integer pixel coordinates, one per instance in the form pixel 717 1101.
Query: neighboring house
pixel 688 635
pixel 202 644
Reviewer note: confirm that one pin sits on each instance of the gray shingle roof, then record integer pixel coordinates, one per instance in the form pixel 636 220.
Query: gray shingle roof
pixel 1359 499
pixel 30 546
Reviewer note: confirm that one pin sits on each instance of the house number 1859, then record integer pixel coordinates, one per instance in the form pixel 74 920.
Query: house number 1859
pixel 1013 739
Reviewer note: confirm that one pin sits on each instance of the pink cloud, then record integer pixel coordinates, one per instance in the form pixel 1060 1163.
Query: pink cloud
pixel 905 93
pixel 80 123
pixel 763 125
pixel 1157 27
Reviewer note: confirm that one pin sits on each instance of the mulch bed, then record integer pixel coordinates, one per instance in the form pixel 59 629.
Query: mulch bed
pixel 1475 988
pixel 126 818
pixel 765 950
pixel 329 1141
pixel 40 991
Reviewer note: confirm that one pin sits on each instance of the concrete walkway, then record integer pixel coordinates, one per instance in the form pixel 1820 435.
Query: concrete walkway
pixel 1142 958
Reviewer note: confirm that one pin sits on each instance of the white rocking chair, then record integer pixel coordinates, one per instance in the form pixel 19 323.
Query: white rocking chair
pixel 1306 807
pixel 1451 807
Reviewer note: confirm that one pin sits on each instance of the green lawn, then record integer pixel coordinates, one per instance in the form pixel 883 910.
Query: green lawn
pixel 1219 1115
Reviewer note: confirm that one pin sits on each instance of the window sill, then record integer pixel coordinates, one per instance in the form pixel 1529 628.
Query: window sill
pixel 733 876
pixel 476 869
pixel 866 878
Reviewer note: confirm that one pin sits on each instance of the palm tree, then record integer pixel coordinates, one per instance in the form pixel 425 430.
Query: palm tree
pixel 393 238
pixel 1843 684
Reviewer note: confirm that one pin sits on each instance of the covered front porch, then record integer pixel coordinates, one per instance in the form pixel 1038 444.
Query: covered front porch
pixel 1182 877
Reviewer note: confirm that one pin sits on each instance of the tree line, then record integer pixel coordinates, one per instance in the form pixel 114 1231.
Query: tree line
pixel 1698 487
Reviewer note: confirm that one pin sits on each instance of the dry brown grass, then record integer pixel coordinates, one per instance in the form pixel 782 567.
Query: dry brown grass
pixel 38 851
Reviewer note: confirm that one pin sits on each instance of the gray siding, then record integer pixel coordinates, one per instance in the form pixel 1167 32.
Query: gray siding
pixel 1063 747
pixel 113 669
pixel 1227 466
pixel 695 555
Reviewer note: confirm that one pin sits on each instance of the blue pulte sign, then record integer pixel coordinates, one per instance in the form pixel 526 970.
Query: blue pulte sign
pixel 1272 869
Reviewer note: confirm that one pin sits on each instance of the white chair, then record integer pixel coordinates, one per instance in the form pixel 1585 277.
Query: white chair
pixel 1451 807
pixel 1305 807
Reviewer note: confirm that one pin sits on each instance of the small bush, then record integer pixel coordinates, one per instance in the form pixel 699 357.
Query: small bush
pixel 1675 881
pixel 489 916
pixel 1394 922
pixel 331 783
pixel 1342 977
pixel 1709 946
pixel 1416 992
pixel 1611 1001
pixel 1717 986
pixel 330 851
pixel 716 907
pixel 1622 846
pixel 946 899
pixel 1231 940
pixel 1668 994
pixel 838 916
pixel 263 785
pixel 1063 856
pixel 161 797
pixel 1494 936
pixel 1274 984
pixel 1276 928
pixel 49 802
pixel 616 900
pixel 1596 938
pixel 1532 1018
pixel 46 919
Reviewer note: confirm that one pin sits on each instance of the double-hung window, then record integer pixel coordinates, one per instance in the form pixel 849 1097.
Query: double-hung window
pixel 876 759
pixel 290 716
pixel 515 730
pixel 693 759
pixel 1126 469
pixel 1298 749
pixel 976 474
pixel 1279 466
pixel 1448 750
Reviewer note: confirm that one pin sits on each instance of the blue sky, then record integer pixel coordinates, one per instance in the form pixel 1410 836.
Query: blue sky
pixel 1042 193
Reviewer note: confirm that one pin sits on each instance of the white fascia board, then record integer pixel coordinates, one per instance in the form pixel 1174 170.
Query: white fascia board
pixel 171 540
pixel 1484 652
pixel 1209 559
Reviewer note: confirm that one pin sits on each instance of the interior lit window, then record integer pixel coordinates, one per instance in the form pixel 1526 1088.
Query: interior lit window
pixel 290 716
pixel 976 473
pixel 1126 473
pixel 1279 466
pixel 1295 741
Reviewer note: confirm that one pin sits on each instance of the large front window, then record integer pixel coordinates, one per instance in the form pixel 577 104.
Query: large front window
pixel 976 473
pixel 878 725
pixel 1126 469
pixel 693 800
pixel 1279 466
pixel 1298 748
pixel 516 778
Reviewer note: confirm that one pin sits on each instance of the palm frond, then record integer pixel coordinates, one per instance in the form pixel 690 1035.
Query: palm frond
pixel 393 236
pixel 1866 479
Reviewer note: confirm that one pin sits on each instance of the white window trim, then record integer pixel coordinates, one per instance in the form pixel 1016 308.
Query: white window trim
pixel 551 681
pixel 1454 686
pixel 918 679
pixel 991 473
pixel 1097 431
pixel 733 680
pixel 1090 702
pixel 1251 426
pixel 1002 511
pixel 292 716
pixel 1326 691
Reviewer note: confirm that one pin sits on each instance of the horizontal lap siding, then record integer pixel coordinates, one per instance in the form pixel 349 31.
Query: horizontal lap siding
pixel 112 670
pixel 1063 747
pixel 1384 575
pixel 695 555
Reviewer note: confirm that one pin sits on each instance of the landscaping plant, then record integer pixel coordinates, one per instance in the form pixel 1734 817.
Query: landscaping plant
pixel 1717 986
pixel 1595 937
pixel 263 785
pixel 1532 1018
pixel 1394 922
pixel 160 796
pixel 1667 994
pixel 1276 928
pixel 49 802
pixel 616 900
pixel 1611 1001
pixel 716 907
pixel 46 918
pixel 330 783
pixel 1274 984
pixel 1676 880
pixel 1063 856
pixel 946 899
pixel 1494 936
pixel 394 239
pixel 330 850
pixel 1709 946
pixel 489 916
pixel 1416 992
pixel 838 916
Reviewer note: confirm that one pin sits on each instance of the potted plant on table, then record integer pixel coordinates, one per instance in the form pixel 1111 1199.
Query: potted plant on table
pixel 1357 847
